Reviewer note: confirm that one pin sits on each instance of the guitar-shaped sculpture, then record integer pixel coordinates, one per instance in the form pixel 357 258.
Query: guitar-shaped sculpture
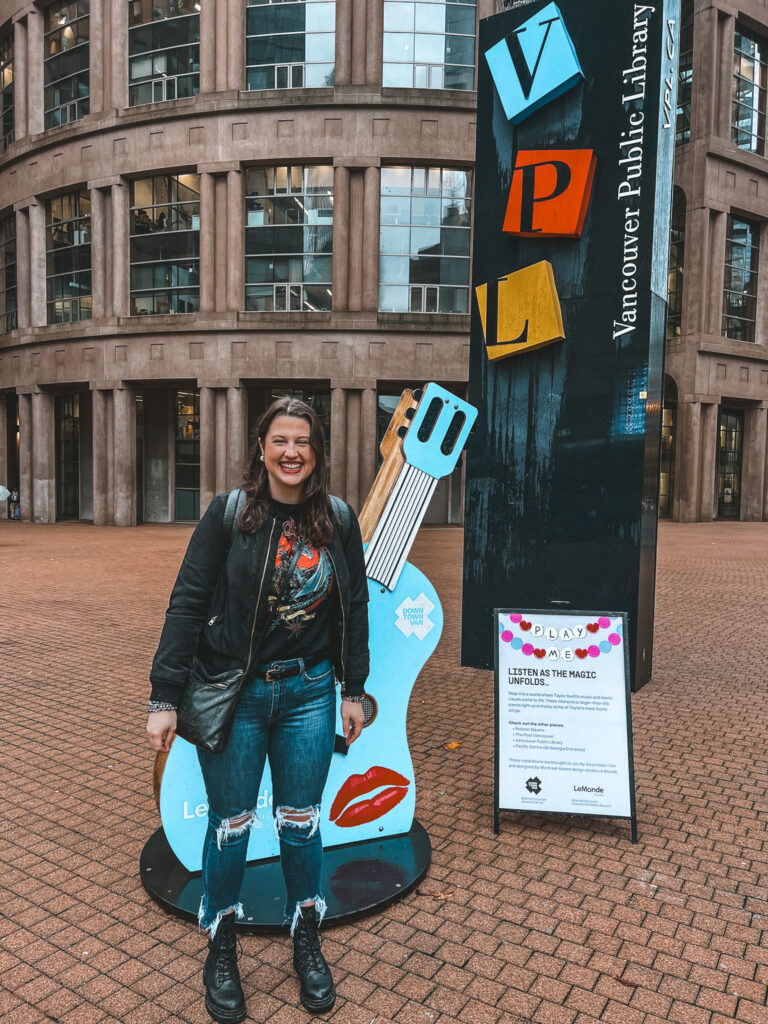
pixel 370 791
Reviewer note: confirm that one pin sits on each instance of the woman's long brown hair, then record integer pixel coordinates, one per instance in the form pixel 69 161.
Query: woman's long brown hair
pixel 314 522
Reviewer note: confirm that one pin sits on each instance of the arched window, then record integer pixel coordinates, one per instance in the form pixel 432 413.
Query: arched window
pixel 676 264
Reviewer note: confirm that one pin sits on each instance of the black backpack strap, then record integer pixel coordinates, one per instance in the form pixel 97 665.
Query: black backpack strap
pixel 342 515
pixel 232 510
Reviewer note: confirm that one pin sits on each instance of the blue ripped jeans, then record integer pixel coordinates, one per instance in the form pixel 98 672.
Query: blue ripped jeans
pixel 293 722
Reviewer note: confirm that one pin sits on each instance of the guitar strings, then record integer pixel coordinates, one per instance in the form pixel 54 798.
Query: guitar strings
pixel 388 549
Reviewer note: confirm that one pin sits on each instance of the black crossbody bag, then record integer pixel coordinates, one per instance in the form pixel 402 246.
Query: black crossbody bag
pixel 208 701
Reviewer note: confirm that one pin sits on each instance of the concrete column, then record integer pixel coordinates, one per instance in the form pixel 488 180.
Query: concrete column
pixel 236 435
pixel 207 448
pixel 343 71
pixel 338 441
pixel 20 79
pixel 353 449
pixel 359 41
pixel 753 476
pixel 696 272
pixel 356 253
pixel 235 44
pixel 371 206
pixel 708 461
pixel 118 53
pixel 23 276
pixel 37 266
pixel 96 55
pixel 687 469
pixel 722 126
pixel 221 45
pixel 235 241
pixel 25 458
pixel 4 452
pixel 222 448
pixel 704 104
pixel 207 241
pixel 207 55
pixel 716 271
pixel 374 42
pixel 98 253
pixel 110 446
pixel 340 238
pixel 100 459
pixel 124 448
pixel 368 445
pixel 120 216
pixel 43 458
pixel 34 72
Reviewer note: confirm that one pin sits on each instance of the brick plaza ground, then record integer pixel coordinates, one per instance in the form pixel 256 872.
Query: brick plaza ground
pixel 556 921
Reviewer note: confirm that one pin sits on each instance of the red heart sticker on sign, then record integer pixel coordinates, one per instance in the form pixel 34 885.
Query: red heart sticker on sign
pixel 525 625
pixel 580 652
pixel 593 627
pixel 540 652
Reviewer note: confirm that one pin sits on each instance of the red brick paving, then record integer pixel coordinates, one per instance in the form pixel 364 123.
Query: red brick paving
pixel 556 921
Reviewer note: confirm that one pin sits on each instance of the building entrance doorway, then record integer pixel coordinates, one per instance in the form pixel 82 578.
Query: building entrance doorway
pixel 729 458
pixel 67 456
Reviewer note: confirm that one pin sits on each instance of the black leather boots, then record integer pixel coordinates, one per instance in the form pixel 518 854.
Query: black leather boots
pixel 317 992
pixel 224 998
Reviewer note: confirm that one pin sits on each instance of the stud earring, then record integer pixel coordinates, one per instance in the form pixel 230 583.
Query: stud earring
pixel 261 457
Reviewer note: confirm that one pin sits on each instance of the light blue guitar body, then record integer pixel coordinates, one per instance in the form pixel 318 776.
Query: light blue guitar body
pixel 396 660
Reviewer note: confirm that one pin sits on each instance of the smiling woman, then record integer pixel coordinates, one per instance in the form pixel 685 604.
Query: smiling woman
pixel 283 605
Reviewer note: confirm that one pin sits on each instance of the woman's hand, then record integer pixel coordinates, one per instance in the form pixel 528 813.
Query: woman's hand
pixel 352 719
pixel 161 726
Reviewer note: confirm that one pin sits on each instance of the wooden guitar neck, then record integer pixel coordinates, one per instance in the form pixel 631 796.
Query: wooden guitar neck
pixel 391 449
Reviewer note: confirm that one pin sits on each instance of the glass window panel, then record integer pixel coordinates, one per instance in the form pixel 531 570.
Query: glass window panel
pixel 460 19
pixel 419 180
pixel 460 49
pixel 393 269
pixel 430 17
pixel 395 210
pixel 318 297
pixel 321 17
pixel 321 47
pixel 318 76
pixel 398 46
pixel 454 300
pixel 395 181
pixel 397 76
pixel 260 180
pixel 393 299
pixel 395 241
pixel 429 48
pixel 398 17
pixel 425 211
pixel 425 240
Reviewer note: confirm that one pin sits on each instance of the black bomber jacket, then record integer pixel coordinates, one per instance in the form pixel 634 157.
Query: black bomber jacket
pixel 218 606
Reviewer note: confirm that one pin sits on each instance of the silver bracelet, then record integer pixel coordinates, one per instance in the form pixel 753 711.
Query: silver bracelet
pixel 160 705
pixel 357 698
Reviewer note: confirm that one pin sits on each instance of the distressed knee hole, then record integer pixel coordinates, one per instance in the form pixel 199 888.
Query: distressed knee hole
pixel 238 825
pixel 298 818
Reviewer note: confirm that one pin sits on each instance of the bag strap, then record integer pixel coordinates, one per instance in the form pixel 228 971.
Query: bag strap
pixel 232 510
pixel 342 515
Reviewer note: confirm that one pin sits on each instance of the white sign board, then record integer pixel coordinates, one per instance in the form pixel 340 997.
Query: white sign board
pixel 563 714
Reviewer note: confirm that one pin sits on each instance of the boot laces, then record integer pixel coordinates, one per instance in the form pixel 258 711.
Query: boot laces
pixel 308 951
pixel 228 953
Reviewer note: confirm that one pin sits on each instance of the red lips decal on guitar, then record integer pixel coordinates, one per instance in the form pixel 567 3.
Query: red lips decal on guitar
pixel 346 814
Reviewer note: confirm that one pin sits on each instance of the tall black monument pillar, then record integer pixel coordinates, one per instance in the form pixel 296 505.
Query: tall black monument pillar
pixel 575 142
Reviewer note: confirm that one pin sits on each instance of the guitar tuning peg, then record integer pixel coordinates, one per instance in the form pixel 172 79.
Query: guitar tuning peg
pixel 402 431
pixel 410 413
pixel 418 393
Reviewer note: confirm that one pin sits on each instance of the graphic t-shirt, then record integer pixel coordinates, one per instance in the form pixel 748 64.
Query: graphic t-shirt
pixel 300 623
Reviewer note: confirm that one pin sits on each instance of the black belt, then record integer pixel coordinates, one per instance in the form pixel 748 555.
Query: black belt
pixel 282 669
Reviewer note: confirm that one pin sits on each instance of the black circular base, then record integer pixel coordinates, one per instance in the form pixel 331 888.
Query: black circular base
pixel 357 879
